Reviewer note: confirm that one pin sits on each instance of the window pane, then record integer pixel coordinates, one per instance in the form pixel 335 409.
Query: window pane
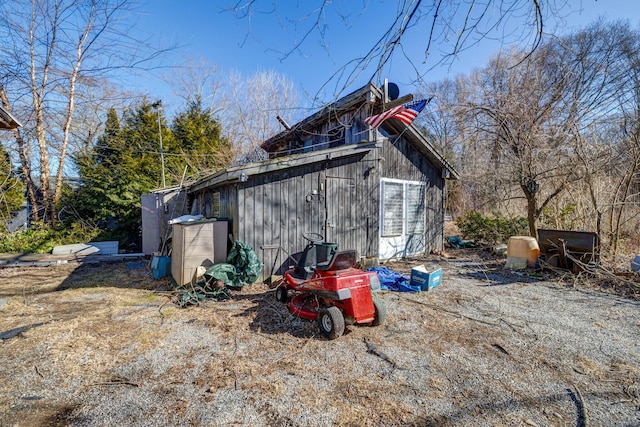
pixel 415 208
pixel 393 205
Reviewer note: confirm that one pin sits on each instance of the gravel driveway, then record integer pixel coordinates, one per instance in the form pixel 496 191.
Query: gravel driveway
pixel 104 345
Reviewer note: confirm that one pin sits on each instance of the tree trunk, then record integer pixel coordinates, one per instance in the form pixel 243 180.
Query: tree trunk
pixel 38 89
pixel 69 114
pixel 621 209
pixel 531 212
pixel 25 164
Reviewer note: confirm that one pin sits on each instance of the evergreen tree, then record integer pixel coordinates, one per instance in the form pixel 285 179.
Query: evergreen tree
pixel 95 170
pixel 124 164
pixel 199 142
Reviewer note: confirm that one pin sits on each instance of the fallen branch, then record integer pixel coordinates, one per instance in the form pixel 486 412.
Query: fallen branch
pixel 38 371
pixel 583 418
pixel 500 348
pixel 290 355
pixel 373 349
pixel 592 273
pixel 510 325
pixel 117 381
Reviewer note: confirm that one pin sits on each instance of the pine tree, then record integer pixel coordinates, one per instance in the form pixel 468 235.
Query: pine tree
pixel 126 162
pixel 122 165
pixel 199 142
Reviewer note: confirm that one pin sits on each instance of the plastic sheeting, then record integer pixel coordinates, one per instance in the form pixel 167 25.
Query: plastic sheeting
pixel 393 281
pixel 223 272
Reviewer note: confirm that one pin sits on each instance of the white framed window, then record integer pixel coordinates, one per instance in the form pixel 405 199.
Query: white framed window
pixel 403 207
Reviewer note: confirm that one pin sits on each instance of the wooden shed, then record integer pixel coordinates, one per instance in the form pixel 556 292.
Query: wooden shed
pixel 379 191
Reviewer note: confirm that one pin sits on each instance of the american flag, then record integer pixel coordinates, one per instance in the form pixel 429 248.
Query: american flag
pixel 406 113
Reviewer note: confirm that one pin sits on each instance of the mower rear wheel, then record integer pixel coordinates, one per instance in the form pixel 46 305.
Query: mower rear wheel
pixel 331 322
pixel 381 311
pixel 282 294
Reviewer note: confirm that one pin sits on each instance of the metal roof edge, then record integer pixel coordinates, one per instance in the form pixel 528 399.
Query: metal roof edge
pixel 8 119
pixel 243 172
pixel 345 102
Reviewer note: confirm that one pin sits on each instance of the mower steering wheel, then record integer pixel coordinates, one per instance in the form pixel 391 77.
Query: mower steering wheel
pixel 313 237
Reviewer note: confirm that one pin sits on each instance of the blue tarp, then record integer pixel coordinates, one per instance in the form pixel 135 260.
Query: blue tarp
pixel 393 281
pixel 457 243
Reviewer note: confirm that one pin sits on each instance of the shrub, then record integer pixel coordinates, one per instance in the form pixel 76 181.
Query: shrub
pixel 491 229
pixel 40 238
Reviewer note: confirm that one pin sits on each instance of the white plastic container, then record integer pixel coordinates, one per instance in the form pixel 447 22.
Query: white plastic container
pixel 635 263
pixel 523 247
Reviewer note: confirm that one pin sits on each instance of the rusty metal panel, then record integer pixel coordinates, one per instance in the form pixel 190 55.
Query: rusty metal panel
pixel 563 248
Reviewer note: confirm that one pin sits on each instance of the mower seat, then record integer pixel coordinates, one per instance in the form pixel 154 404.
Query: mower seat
pixel 315 255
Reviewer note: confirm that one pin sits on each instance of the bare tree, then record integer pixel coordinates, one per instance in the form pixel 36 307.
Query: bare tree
pixel 253 105
pixel 531 116
pixel 53 49
pixel 444 28
pixel 24 153
pixel 444 129
pixel 625 173
pixel 197 80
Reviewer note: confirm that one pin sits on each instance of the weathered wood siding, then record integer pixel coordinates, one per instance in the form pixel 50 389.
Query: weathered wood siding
pixel 402 161
pixel 274 209
pixel 202 203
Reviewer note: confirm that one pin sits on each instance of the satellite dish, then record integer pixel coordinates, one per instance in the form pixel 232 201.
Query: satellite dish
pixel 392 91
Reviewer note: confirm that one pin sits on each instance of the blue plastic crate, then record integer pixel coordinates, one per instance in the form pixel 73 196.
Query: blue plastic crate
pixel 425 279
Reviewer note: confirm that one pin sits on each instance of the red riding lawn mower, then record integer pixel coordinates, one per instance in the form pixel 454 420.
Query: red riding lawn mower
pixel 325 286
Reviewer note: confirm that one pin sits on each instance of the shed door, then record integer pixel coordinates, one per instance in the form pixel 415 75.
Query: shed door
pixel 340 200
pixel 402 218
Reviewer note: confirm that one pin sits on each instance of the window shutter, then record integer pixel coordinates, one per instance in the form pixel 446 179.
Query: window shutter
pixel 392 208
pixel 415 208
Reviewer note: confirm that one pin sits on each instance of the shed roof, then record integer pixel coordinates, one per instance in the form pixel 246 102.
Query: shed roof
pixel 7 121
pixel 370 93
pixel 243 172
pixel 344 104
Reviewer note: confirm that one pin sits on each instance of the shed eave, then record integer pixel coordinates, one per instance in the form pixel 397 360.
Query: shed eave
pixel 243 172
pixel 7 121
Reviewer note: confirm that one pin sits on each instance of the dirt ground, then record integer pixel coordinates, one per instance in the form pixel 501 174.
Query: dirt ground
pixel 104 344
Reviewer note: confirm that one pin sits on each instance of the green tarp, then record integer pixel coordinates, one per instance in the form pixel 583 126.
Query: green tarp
pixel 246 262
pixel 242 268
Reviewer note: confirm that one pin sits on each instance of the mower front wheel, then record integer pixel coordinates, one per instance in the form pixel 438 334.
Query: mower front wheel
pixel 282 294
pixel 331 322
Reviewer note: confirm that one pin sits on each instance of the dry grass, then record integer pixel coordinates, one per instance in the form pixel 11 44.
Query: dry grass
pixel 105 345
